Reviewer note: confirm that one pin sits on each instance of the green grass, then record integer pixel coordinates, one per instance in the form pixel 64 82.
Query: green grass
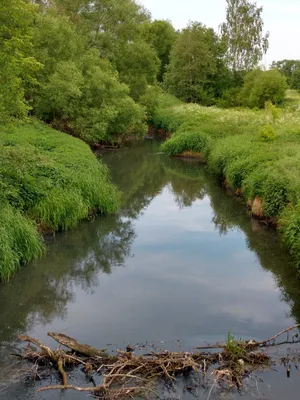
pixel 48 182
pixel 258 152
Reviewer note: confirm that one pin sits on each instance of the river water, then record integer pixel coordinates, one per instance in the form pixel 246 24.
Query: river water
pixel 181 264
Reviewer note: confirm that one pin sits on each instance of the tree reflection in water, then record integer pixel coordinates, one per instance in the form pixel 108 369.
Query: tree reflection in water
pixel 78 257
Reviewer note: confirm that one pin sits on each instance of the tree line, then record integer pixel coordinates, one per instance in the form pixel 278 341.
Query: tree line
pixel 95 68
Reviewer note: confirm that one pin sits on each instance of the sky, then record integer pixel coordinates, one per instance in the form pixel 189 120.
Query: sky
pixel 281 18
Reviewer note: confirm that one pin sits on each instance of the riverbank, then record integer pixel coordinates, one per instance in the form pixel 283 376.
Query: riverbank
pixel 256 152
pixel 49 182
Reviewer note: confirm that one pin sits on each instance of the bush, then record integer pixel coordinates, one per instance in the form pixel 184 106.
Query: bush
pixel 88 99
pixel 261 87
pixel 150 100
pixel 197 142
pixel 267 132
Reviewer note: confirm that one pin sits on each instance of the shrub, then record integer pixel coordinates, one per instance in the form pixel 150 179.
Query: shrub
pixel 197 142
pixel 263 86
pixel 267 132
pixel 273 110
pixel 150 100
pixel 88 99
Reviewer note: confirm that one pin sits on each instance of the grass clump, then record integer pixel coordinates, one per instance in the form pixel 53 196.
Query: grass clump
pixel 20 241
pixel 257 151
pixel 197 142
pixel 49 182
pixel 235 349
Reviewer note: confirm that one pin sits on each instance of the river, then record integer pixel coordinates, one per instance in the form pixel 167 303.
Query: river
pixel 180 265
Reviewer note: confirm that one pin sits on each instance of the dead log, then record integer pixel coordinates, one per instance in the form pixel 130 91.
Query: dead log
pixel 72 344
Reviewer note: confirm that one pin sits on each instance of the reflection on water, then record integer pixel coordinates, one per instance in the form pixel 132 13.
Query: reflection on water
pixel 182 260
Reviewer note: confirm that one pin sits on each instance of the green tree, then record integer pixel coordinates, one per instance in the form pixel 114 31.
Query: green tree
pixel 114 28
pixel 243 34
pixel 59 97
pixel 161 35
pixel 261 87
pixel 286 67
pixel 138 66
pixel 111 23
pixel 17 66
pixel 295 79
pixel 196 59
pixel 85 97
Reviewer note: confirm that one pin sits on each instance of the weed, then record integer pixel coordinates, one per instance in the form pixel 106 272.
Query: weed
pixel 267 132
pixel 235 349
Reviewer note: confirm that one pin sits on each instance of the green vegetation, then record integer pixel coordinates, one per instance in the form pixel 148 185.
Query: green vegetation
pixel 261 87
pixel 290 69
pixel 243 35
pixel 85 67
pixel 17 67
pixel 196 66
pixel 96 69
pixel 89 67
pixel 235 349
pixel 209 68
pixel 49 182
pixel 258 152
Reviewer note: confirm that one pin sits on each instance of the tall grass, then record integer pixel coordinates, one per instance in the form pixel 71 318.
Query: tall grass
pixel 48 182
pixel 258 152
pixel 20 241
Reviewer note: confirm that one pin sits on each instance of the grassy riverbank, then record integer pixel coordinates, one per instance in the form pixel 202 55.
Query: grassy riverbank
pixel 258 152
pixel 49 181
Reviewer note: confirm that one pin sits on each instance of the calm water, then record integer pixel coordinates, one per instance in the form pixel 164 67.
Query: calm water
pixel 181 261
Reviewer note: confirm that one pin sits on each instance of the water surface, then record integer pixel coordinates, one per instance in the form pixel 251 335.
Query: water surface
pixel 182 261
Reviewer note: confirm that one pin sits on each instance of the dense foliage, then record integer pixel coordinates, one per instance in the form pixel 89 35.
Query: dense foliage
pixel 92 68
pixel 17 66
pixel 196 65
pixel 287 68
pixel 161 36
pixel 49 182
pixel 261 87
pixel 83 66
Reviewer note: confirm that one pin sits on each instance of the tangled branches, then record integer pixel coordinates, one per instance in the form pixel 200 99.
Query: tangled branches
pixel 127 375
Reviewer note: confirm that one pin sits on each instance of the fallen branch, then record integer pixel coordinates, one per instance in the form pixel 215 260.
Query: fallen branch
pixel 128 376
pixel 73 344
pixel 279 334
pixel 60 366
pixel 72 387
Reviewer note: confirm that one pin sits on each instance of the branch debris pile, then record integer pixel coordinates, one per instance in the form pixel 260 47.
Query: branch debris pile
pixel 127 375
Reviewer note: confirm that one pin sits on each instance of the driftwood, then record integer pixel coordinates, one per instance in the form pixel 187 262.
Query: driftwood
pixel 127 375
pixel 72 344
